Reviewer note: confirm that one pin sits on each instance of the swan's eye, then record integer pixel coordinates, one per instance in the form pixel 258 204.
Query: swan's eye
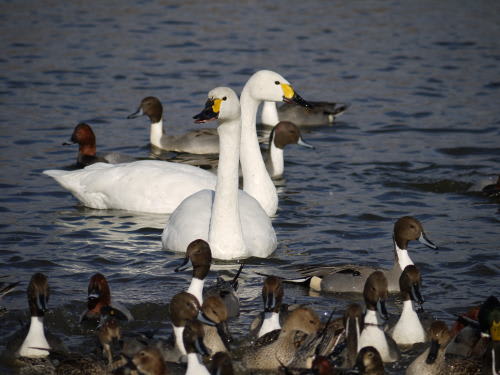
pixel 277 82
pixel 224 98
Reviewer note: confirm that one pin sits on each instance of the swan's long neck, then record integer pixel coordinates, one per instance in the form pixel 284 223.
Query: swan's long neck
pixel 276 159
pixel 256 180
pixel 156 133
pixel 269 114
pixel 225 232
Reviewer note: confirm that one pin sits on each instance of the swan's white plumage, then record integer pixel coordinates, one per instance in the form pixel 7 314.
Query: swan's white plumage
pixel 182 228
pixel 146 185
pixel 231 221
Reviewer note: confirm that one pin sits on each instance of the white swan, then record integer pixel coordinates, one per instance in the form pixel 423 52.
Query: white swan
pixel 215 220
pixel 147 185
pixel 233 222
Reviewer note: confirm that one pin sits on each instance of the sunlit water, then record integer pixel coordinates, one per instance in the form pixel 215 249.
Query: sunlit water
pixel 420 138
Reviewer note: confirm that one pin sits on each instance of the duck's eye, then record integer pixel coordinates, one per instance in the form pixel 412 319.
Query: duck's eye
pixel 276 82
pixel 224 98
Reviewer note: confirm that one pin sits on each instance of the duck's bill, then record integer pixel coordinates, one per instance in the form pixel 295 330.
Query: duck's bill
pixel 382 309
pixel 433 352
pixel 205 319
pixel 200 347
pixel 415 294
pixel 225 335
pixel 208 113
pixel 303 143
pixel 137 113
pixel 297 99
pixel 186 263
pixel 425 240
pixel 269 302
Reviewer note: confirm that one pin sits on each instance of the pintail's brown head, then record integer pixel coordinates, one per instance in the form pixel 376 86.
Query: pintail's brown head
pixel 408 229
pixel 272 294
pixel 183 307
pixel 150 106
pixel 38 294
pixel 375 293
pixel 198 256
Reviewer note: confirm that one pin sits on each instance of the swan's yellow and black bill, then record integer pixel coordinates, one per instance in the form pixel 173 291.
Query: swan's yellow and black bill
pixel 210 112
pixel 290 96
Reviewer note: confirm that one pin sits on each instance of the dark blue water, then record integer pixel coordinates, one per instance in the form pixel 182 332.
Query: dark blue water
pixel 421 137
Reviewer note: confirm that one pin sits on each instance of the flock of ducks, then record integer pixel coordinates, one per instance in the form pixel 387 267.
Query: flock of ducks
pixel 210 217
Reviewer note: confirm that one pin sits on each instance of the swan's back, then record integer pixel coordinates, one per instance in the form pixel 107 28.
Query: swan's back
pixel 146 185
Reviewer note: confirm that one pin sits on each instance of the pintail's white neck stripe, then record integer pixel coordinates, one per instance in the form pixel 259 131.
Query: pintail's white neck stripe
pixel 196 289
pixel 35 339
pixel 156 133
pixel 195 366
pixel 179 342
pixel 403 257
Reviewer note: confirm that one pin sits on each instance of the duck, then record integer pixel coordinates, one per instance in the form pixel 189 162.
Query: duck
pixel 99 296
pixel 375 294
pixel 353 325
pixel 183 308
pixel 233 223
pixel 408 329
pixel 320 113
pixel 492 190
pixel 193 337
pixel 108 331
pixel 352 278
pixel 277 348
pixel 30 347
pixel 84 136
pixel 283 134
pixel 214 316
pixel 149 361
pixel 270 319
pixel 369 362
pixel 199 257
pixel 227 290
pixel 200 141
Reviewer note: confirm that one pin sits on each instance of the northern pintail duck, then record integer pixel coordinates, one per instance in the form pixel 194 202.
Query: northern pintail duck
pixel 320 113
pixel 183 307
pixel 193 340
pixel 214 316
pixel 200 141
pixel 149 361
pixel 228 291
pixel 199 257
pixel 99 296
pixel 284 133
pixel 84 136
pixel 233 223
pixel 408 330
pixel 375 294
pixel 270 319
pixel 353 325
pixel 278 347
pixel 29 348
pixel 352 278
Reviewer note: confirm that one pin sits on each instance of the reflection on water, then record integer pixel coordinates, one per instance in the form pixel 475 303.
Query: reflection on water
pixel 421 138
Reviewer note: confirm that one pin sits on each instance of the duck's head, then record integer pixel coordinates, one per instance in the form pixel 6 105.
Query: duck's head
pixel 150 106
pixel 214 312
pixel 488 311
pixel 38 294
pixel 199 257
pixel 375 293
pixel 439 335
pixel 266 85
pixel 222 104
pixel 99 294
pixel 85 137
pixel 183 307
pixel 272 294
pixel 149 361
pixel 353 315
pixel 302 319
pixel 409 284
pixel 408 229
pixel 287 133
pixel 369 361
pixel 221 364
